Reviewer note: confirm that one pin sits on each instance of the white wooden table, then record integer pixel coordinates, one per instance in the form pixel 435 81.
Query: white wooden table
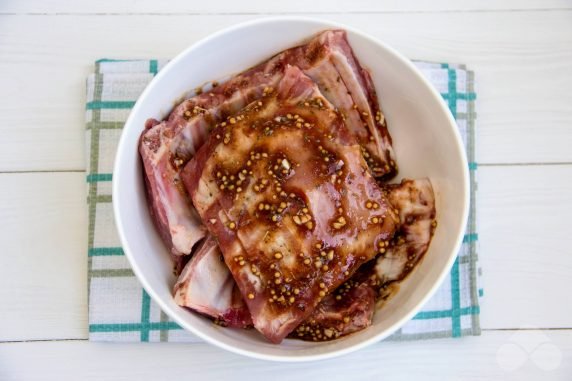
pixel 521 51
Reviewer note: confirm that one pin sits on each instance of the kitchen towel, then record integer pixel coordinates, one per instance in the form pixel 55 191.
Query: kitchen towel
pixel 120 310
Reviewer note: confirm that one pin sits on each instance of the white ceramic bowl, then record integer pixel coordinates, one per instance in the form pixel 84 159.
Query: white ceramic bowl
pixel 426 142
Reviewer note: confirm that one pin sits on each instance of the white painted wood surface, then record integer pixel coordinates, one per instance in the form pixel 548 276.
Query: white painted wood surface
pixel 522 54
pixel 522 67
pixel 492 356
pixel 43 272
pixel 520 251
pixel 265 6
pixel 523 215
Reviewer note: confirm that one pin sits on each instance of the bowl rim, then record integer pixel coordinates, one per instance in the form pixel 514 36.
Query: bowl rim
pixel 121 151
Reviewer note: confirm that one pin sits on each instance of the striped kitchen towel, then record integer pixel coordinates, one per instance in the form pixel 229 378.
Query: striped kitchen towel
pixel 119 308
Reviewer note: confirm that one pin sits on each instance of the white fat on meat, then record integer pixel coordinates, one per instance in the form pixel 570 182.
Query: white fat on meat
pixel 207 286
pixel 415 201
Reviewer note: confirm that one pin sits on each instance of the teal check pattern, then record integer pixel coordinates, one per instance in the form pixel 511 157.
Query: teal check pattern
pixel 121 310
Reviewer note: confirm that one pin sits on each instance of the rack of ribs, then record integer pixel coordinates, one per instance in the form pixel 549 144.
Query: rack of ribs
pixel 284 188
pixel 166 147
pixel 415 203
pixel 351 306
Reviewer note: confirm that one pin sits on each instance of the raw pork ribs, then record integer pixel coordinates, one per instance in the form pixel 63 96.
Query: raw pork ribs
pixel 269 181
pixel 285 189
pixel 167 146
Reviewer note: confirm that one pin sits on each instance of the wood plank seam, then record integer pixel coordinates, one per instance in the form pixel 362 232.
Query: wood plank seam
pixel 311 13
pixel 563 329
